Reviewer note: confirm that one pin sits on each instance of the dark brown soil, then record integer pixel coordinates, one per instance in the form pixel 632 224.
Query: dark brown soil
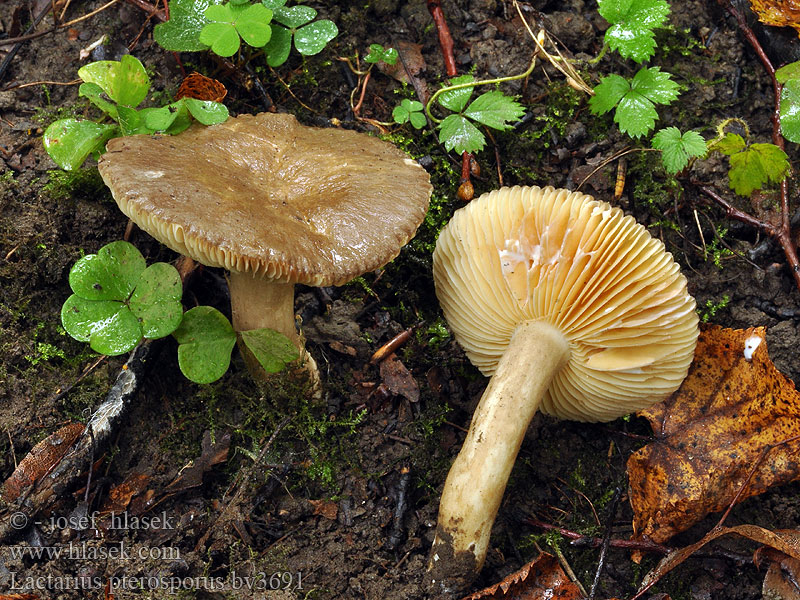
pixel 319 507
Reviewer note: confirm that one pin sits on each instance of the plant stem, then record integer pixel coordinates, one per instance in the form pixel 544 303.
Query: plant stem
pixel 470 84
pixel 478 477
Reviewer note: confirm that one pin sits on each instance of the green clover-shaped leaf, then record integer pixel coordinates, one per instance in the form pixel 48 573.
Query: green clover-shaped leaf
pixel 378 53
pixel 313 38
pixel 409 111
pixel 272 349
pixel 117 300
pixel 206 339
pixel 186 20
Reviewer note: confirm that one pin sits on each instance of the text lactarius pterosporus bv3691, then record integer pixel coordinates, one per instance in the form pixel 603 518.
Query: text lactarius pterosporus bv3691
pixel 571 308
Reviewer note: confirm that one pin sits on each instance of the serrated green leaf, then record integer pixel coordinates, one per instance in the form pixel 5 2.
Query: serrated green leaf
pixel 94 93
pixel 790 110
pixel 156 300
pixel 459 134
pixel 311 39
pixel 787 72
pixel 186 20
pixel 279 45
pixel 655 85
pixel 730 144
pixel 456 100
pixel 272 349
pixel 111 274
pixel 756 166
pixel 253 25
pixel 632 23
pixel 677 148
pixel 608 93
pixel 635 115
pixel 69 142
pixel 294 16
pixel 494 109
pixel 207 112
pixel 206 339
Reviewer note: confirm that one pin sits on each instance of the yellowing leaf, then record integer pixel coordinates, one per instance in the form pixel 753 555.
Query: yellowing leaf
pixel 711 432
pixel 780 13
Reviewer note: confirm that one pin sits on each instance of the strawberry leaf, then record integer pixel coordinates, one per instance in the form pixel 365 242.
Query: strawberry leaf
pixel 495 109
pixel 632 23
pixel 677 148
pixel 756 166
pixel 458 133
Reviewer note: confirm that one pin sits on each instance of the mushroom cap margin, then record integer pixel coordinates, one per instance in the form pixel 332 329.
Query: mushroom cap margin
pixel 265 195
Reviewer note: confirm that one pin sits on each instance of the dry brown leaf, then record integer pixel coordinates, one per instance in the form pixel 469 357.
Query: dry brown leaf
pixel 410 58
pixel 780 13
pixel 325 508
pixel 540 579
pixel 40 460
pixel 119 497
pixel 212 453
pixel 710 434
pixel 785 542
pixel 398 379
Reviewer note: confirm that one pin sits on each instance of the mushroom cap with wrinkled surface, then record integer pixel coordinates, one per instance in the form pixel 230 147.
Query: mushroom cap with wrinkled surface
pixel 265 195
pixel 528 254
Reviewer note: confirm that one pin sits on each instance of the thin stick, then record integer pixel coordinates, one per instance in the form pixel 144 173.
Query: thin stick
pixel 38 34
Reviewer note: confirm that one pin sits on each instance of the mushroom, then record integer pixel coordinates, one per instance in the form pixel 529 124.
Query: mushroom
pixel 571 308
pixel 274 202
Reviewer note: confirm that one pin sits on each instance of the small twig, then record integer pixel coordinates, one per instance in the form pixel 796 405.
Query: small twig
pixel 580 540
pixel 38 34
pixel 612 511
pixel 397 533
pixel 445 39
pixel 43 82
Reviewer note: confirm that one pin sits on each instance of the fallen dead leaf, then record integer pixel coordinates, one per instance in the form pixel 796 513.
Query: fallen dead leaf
pixel 398 379
pixel 325 508
pixel 212 453
pixel 540 579
pixel 785 542
pixel 780 13
pixel 119 497
pixel 410 57
pixel 711 432
pixel 40 460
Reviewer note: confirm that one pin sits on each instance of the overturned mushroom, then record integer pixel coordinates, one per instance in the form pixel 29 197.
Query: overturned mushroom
pixel 573 309
pixel 273 202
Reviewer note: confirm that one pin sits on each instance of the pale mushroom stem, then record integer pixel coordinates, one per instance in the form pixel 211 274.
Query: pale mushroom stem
pixel 478 477
pixel 257 304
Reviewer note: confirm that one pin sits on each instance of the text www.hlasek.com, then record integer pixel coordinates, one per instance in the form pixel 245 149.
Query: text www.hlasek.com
pixel 84 551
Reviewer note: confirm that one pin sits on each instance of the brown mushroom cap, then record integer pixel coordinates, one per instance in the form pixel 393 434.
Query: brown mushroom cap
pixel 530 254
pixel 265 195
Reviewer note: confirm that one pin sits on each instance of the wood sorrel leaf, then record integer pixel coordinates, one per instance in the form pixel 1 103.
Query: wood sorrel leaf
pixel 312 38
pixel 205 339
pixel 156 300
pixel 111 274
pixel 186 20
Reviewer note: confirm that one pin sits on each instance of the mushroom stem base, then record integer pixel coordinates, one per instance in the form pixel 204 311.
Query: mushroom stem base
pixel 258 304
pixel 478 477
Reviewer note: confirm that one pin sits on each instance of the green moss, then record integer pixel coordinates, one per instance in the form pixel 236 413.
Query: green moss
pixel 81 183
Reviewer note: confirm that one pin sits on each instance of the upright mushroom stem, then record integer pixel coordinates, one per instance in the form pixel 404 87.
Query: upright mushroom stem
pixel 478 477
pixel 259 303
